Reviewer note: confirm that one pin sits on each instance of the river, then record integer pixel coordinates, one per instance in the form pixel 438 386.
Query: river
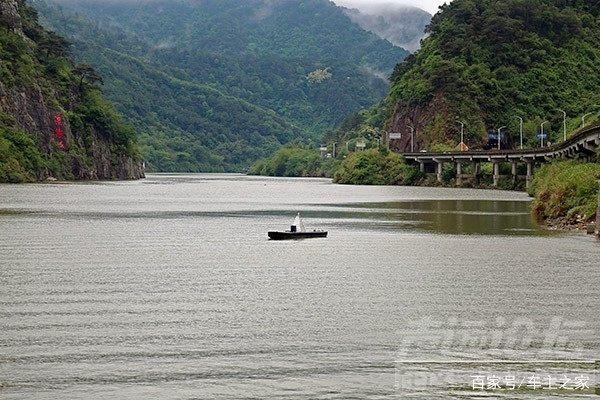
pixel 168 288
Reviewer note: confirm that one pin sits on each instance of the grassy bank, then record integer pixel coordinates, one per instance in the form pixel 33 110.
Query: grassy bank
pixel 566 192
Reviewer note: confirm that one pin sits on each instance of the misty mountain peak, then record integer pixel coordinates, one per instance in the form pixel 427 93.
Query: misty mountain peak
pixel 402 25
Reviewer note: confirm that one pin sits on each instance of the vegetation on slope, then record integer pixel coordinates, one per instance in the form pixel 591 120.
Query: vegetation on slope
pixel 376 167
pixel 487 61
pixel 290 29
pixel 200 128
pixel 567 191
pixel 37 80
pixel 295 161
pixel 20 157
pixel 237 56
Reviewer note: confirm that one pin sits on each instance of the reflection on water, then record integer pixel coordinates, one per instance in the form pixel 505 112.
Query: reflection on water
pixel 168 287
pixel 485 217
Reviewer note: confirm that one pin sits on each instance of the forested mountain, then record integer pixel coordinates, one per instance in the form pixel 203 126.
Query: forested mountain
pixel 54 122
pixel 402 25
pixel 216 84
pixel 487 62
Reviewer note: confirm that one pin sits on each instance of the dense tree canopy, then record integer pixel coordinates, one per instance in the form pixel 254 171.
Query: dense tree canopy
pixel 214 85
pixel 487 61
pixel 35 64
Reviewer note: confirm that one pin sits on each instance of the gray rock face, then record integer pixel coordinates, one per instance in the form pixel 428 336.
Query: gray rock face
pixel 407 115
pixel 29 104
pixel 31 113
pixel 9 15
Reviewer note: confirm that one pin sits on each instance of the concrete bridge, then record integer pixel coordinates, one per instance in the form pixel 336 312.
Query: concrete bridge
pixel 583 144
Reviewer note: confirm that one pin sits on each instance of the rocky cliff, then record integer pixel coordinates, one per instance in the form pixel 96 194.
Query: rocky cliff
pixel 9 15
pixel 54 122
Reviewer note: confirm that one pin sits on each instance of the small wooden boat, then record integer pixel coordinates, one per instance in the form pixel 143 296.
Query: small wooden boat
pixel 297 231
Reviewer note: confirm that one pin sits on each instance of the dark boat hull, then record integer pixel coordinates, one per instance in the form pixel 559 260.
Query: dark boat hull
pixel 296 235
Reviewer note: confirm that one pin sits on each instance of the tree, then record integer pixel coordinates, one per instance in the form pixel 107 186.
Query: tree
pixel 51 44
pixel 86 76
pixel 319 75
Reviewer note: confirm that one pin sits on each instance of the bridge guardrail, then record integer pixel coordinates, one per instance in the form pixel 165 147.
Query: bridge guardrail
pixel 579 135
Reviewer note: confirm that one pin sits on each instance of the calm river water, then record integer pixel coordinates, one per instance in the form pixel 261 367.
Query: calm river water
pixel 168 288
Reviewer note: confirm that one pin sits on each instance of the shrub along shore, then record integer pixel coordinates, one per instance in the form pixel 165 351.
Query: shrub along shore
pixel 565 193
pixel 369 167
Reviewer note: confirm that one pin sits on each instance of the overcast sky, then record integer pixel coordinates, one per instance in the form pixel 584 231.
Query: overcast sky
pixel 427 5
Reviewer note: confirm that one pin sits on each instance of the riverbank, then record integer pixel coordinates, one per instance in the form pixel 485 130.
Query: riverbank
pixel 377 167
pixel 565 194
pixel 23 160
pixel 295 161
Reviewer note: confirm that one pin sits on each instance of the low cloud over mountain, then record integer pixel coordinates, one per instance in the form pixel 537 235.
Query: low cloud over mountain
pixel 400 24
pixel 430 6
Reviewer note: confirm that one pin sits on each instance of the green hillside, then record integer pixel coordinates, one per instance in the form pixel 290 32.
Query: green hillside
pixel 263 73
pixel 486 62
pixel 54 121
pixel 316 30
pixel 187 126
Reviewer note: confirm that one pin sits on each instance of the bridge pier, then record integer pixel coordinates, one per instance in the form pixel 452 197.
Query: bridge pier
pixel 476 171
pixel 514 172
pixel 459 178
pixel 529 176
pixel 584 144
pixel 496 173
pixel 440 171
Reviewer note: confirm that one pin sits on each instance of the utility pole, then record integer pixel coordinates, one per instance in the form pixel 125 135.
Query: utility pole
pixel 333 152
pixel 500 141
pixel 462 133
pixel 542 132
pixel 520 129
pixel 564 123
pixel 583 119
pixel 587 115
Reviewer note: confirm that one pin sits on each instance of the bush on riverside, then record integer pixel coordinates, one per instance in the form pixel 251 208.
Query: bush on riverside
pixel 566 190
pixel 294 161
pixel 20 157
pixel 376 167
